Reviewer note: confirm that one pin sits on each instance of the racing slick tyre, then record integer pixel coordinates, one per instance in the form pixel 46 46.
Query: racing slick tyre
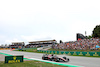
pixel 68 59
pixel 50 59
pixel 43 58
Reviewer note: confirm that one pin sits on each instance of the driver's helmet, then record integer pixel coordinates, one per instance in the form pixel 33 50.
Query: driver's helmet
pixel 52 55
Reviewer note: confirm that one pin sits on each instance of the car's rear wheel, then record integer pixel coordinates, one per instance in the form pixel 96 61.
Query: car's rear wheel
pixel 50 59
pixel 43 58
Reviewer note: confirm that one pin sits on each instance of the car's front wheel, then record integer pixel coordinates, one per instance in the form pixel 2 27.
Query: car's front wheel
pixel 68 59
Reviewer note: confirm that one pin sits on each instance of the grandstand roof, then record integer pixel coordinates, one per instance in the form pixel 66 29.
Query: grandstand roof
pixel 43 41
pixel 17 42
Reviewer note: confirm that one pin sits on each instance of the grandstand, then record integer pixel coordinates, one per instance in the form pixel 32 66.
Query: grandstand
pixel 41 43
pixel 17 45
pixel 4 46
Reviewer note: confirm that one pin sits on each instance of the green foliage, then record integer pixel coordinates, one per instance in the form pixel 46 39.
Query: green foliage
pixel 88 37
pixel 96 31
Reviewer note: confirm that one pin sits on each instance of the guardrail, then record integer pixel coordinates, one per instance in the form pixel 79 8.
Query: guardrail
pixel 71 53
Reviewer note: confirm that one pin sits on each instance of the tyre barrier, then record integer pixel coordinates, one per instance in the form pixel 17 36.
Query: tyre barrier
pixel 80 53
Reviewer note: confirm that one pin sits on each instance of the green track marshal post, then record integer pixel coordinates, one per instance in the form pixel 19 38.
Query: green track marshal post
pixel 13 59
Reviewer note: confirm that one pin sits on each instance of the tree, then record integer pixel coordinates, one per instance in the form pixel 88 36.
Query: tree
pixel 88 37
pixel 96 31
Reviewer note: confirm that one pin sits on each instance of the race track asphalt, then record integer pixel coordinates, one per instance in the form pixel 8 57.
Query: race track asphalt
pixel 74 60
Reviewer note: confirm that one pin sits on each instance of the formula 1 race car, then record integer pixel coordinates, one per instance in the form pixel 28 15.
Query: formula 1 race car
pixel 54 58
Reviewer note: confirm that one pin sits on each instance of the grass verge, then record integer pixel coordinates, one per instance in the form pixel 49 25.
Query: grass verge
pixel 29 64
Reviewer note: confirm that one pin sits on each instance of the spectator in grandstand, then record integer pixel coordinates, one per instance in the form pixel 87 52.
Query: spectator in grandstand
pixel 83 44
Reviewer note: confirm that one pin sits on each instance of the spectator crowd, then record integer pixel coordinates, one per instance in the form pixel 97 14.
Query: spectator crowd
pixel 83 44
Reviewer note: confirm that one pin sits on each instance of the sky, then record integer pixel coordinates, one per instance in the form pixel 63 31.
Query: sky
pixel 35 20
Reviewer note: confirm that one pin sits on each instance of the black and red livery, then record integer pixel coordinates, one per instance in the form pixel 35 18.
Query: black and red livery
pixel 55 58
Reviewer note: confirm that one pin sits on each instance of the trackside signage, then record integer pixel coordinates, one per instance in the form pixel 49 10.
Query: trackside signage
pixel 13 59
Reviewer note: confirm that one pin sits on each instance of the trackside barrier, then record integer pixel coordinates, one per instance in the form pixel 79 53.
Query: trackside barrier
pixel 71 53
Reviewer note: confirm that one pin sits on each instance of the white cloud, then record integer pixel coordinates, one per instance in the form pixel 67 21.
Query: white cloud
pixel 13 40
pixel 43 19
pixel 48 36
pixel 35 37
